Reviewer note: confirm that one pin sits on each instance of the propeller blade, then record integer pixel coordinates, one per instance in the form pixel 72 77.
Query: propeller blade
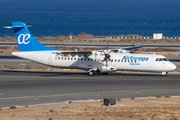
pixel 133 44
pixel 107 46
pixel 133 51
pixel 104 52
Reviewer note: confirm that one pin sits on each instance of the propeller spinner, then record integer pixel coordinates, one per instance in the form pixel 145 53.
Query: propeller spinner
pixel 107 55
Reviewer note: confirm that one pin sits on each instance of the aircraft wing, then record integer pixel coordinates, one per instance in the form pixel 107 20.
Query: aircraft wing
pixel 73 53
pixel 130 48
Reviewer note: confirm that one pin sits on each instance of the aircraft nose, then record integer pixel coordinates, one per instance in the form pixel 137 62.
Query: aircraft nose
pixel 172 66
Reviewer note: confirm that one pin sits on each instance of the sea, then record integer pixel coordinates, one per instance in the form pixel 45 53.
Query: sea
pixel 97 17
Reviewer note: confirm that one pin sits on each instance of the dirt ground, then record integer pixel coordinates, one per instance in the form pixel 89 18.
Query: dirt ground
pixel 150 108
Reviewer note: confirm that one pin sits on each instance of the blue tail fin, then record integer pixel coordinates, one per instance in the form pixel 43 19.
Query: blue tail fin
pixel 25 41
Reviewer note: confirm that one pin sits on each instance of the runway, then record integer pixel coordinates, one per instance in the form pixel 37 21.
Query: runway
pixel 70 44
pixel 29 88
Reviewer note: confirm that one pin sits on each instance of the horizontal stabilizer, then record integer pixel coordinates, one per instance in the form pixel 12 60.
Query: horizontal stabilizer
pixel 9 27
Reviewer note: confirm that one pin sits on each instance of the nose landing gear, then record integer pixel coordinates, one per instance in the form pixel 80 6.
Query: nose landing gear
pixel 164 74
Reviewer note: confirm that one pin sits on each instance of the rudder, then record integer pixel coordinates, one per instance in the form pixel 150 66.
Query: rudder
pixel 25 41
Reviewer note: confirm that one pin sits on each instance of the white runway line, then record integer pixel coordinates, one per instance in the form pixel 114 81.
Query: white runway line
pixel 13 60
pixel 15 98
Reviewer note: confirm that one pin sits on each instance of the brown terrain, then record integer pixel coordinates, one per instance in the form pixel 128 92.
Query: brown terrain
pixel 89 38
pixel 151 108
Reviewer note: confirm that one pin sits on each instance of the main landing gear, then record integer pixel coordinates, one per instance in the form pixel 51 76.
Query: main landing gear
pixel 92 73
pixel 164 74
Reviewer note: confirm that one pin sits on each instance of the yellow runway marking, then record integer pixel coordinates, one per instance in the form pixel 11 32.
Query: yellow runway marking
pixel 85 93
pixel 65 81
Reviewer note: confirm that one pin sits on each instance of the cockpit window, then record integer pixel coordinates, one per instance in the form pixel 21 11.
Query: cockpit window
pixel 157 59
pixel 161 59
pixel 165 59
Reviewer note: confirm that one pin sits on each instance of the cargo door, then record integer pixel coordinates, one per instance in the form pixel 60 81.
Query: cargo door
pixel 49 60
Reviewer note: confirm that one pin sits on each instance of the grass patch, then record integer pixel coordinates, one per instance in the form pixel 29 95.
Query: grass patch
pixel 119 100
pixel 167 96
pixel 132 98
pixel 13 107
pixel 158 96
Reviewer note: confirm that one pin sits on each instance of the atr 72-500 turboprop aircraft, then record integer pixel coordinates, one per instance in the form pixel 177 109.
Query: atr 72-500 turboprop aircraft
pixel 100 61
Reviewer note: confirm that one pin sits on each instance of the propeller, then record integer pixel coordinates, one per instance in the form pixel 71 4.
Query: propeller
pixel 133 50
pixel 107 55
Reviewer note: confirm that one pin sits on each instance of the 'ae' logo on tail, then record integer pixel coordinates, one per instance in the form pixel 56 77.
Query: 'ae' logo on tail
pixel 23 38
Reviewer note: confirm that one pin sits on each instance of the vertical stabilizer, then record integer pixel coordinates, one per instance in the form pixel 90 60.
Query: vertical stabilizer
pixel 25 41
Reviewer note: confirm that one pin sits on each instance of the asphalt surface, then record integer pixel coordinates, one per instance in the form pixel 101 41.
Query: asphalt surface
pixel 31 87
pixel 177 46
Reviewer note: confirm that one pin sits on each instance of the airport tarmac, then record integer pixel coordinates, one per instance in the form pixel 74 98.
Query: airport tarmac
pixel 31 87
pixel 81 44
pixel 38 87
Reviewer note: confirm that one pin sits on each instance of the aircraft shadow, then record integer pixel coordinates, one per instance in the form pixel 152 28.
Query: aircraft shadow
pixel 56 73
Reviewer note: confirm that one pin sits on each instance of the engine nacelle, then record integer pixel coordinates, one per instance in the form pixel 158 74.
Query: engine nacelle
pixel 106 69
pixel 96 55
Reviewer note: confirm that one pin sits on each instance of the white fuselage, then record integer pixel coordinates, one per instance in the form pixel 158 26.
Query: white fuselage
pixel 118 62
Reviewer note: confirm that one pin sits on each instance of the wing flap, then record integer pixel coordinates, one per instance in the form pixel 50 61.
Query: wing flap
pixel 73 53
